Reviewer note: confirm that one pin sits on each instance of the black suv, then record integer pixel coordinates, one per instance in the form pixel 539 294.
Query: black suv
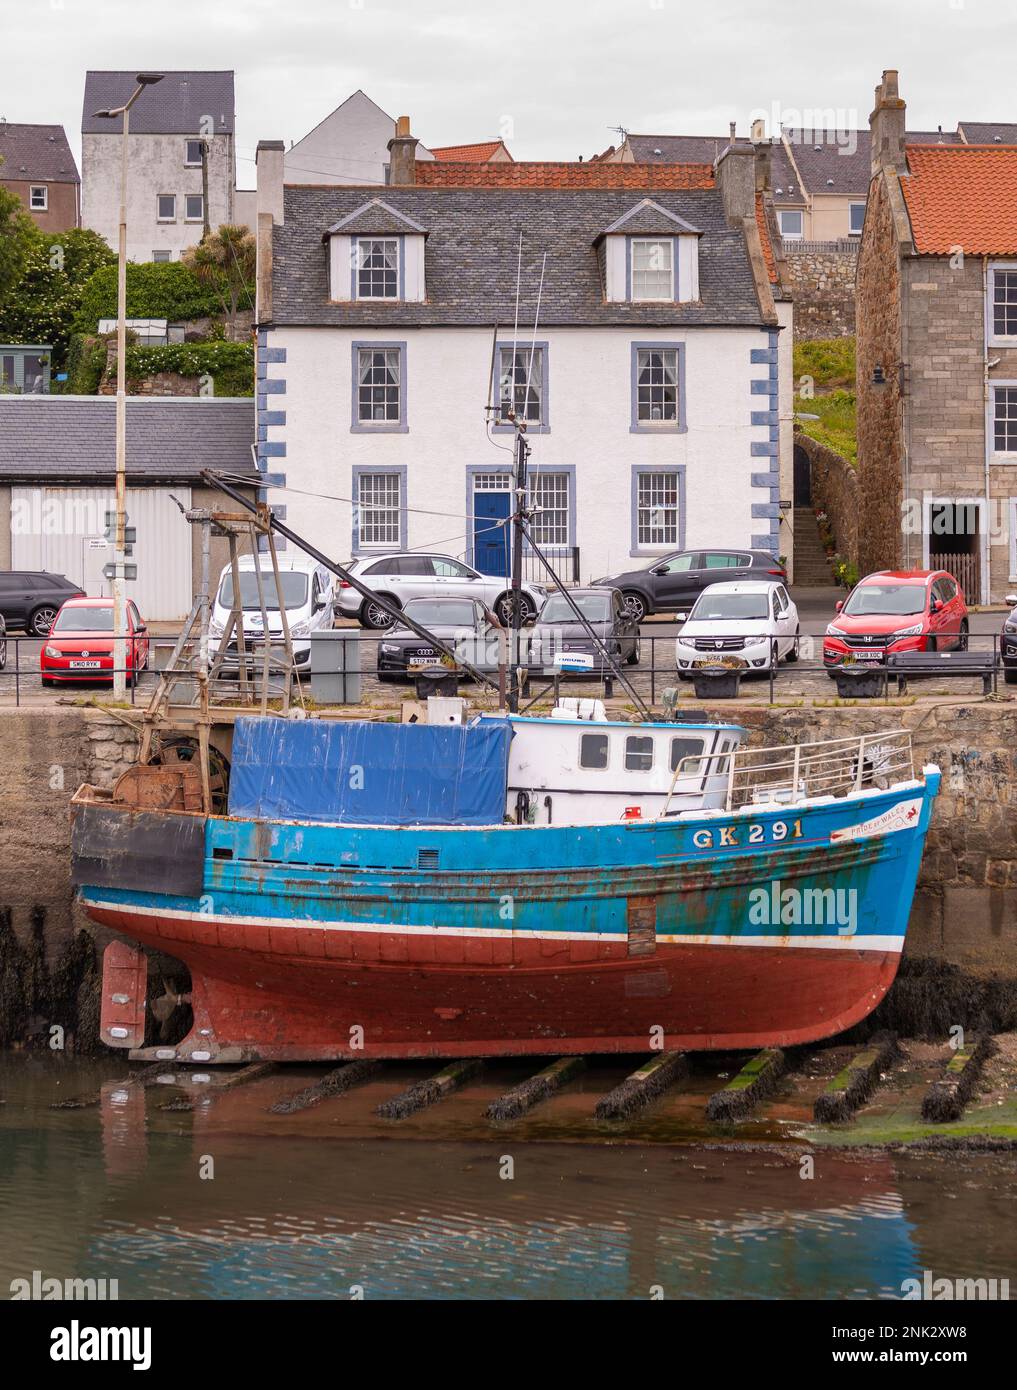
pixel 31 599
pixel 672 583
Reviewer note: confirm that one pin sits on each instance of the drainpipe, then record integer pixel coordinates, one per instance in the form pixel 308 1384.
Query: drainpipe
pixel 986 562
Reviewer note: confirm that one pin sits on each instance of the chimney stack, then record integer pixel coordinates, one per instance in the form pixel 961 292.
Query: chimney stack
pixel 269 157
pixel 402 154
pixel 736 179
pixel 887 124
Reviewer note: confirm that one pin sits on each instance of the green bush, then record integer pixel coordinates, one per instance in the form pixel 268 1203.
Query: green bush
pixel 86 358
pixel 43 305
pixel 155 290
pixel 837 425
pixel 230 365
pixel 829 362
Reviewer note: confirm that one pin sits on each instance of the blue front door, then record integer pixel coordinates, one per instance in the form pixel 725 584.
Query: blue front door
pixel 491 534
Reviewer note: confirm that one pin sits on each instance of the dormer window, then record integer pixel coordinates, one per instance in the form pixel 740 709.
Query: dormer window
pixel 652 270
pixel 378 268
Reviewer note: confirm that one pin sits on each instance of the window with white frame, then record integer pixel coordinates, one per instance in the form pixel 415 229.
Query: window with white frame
pixel 657 509
pixel 1004 303
pixel 379 386
pixel 162 255
pixel 1005 419
pixel 792 224
pixel 521 383
pixel 379 507
pixel 656 386
pixel 38 197
pixel 378 268
pixel 652 269
pixel 856 214
pixel 166 210
pixel 549 492
pixel 194 207
pixel 192 154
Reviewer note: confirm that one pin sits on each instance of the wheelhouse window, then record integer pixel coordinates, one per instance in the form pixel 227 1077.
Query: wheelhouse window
pixel 521 374
pixel 379 507
pixel 792 225
pixel 1005 419
pixel 1004 303
pixel 657 509
pixel 856 213
pixel 683 749
pixel 593 752
pixel 652 270
pixel 378 268
pixel 166 207
pixel 38 198
pixel 638 754
pixel 549 492
pixel 379 386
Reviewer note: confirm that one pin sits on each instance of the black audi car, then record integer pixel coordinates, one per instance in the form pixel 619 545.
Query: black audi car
pixel 1008 642
pixel 31 599
pixel 558 638
pixel 672 583
pixel 464 624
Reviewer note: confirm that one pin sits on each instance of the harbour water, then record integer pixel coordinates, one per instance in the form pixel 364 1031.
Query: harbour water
pixel 220 1201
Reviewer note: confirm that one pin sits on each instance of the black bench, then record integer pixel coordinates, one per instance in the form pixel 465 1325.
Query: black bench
pixel 930 665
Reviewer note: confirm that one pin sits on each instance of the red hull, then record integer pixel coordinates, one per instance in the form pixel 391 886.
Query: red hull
pixel 303 993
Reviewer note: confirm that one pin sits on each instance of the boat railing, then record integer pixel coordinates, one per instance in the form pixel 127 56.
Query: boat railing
pixel 791 773
pixel 831 767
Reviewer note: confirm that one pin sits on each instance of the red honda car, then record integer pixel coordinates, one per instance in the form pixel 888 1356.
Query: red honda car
pixel 80 642
pixel 898 611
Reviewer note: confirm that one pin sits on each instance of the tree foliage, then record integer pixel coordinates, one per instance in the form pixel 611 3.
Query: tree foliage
pixel 17 231
pixel 56 268
pixel 225 262
pixel 155 290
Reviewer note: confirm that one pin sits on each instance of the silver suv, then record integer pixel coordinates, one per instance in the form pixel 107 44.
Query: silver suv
pixel 407 575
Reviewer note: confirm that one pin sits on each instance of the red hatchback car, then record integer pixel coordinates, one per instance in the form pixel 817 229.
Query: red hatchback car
pixel 80 642
pixel 898 611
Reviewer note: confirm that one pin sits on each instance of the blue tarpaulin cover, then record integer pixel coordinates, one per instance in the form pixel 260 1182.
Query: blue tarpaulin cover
pixel 370 774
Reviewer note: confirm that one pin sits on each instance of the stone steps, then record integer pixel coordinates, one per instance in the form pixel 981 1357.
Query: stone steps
pixel 811 564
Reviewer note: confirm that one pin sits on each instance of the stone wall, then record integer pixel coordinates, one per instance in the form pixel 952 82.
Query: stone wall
pixel 834 491
pixel 823 285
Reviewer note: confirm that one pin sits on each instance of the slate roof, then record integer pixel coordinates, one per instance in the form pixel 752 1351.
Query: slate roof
pixel 62 438
pixel 787 188
pixel 36 152
pixel 677 149
pixel 989 133
pixel 377 218
pixel 173 106
pixel 472 252
pixel 561 174
pixel 963 195
pixel 647 218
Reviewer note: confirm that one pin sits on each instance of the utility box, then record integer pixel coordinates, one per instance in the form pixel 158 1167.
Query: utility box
pixel 336 668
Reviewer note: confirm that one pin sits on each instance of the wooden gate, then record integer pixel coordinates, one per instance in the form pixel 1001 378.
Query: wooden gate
pixel 966 569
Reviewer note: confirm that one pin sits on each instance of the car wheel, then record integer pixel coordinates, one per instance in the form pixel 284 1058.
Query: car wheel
pixel 636 605
pixel 635 653
pixel 794 652
pixel 962 640
pixel 41 620
pixel 505 607
pixel 372 614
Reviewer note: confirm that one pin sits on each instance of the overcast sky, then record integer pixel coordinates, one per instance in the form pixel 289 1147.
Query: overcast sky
pixel 551 76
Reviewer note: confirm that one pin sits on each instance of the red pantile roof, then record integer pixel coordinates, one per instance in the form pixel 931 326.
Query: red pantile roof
pixel 764 237
pixel 562 174
pixel 962 195
pixel 477 154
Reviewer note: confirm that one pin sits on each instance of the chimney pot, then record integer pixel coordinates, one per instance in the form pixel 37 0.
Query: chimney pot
pixel 402 126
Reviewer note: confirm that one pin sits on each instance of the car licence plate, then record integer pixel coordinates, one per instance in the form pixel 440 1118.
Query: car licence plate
pixel 85 665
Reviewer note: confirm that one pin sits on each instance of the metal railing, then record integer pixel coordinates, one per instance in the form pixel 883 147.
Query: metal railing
pixel 831 767
pixel 655 675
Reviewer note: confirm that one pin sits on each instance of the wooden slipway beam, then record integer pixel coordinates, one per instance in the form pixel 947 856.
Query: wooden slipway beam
pixel 334 1083
pixel 426 1093
pixel 644 1085
pixel 851 1088
pixel 254 1072
pixel 529 1093
pixel 946 1098
pixel 756 1080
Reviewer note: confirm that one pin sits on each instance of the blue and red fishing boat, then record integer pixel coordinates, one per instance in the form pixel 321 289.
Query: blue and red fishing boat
pixel 507 886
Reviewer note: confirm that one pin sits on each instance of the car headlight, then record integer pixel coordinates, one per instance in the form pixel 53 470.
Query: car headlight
pixel 915 630
pixel 834 631
pixel 389 646
pixel 1010 625
pixel 53 651
pixel 300 629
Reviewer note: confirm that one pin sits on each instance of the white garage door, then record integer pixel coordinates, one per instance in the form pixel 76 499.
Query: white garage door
pixel 61 530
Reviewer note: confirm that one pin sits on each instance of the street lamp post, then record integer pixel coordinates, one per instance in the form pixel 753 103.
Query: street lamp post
pixel 144 79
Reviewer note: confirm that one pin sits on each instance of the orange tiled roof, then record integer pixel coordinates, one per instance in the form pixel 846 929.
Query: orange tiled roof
pixel 962 195
pixel 764 237
pixel 561 174
pixel 475 154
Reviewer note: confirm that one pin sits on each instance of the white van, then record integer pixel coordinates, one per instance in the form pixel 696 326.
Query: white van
pixel 307 596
